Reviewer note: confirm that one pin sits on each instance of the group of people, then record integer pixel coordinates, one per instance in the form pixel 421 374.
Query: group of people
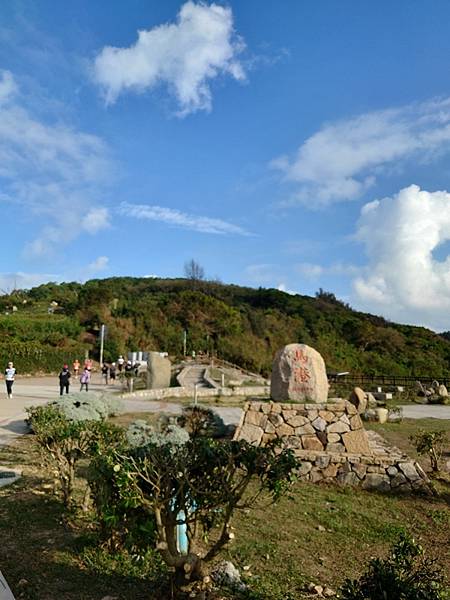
pixel 108 374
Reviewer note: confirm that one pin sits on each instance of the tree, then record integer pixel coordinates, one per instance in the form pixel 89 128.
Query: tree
pixel 197 485
pixel 193 270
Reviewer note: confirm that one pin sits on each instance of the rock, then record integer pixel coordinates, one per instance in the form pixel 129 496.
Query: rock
pixel 338 427
pixel 328 592
pixel 382 414
pixel 305 468
pixel 376 481
pixel 371 400
pixel 251 433
pixel 299 374
pixel 358 399
pixel 297 421
pixel 256 418
pixel 409 470
pixel 442 391
pixel 356 442
pixel 315 589
pixel 225 573
pixel 319 424
pixel 311 442
pixel 158 371
pixel 330 471
pixel 398 479
pixel 420 390
pixel 333 438
pixel 284 430
pixel 336 448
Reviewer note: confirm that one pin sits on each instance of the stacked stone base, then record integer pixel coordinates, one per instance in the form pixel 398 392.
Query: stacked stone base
pixel 332 445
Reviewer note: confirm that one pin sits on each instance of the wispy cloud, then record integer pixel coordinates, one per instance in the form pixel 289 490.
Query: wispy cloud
pixel 186 56
pixel 177 218
pixel 99 264
pixel 343 160
pixel 52 170
pixel 23 281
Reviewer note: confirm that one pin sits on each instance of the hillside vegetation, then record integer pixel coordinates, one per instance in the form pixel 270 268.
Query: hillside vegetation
pixel 243 325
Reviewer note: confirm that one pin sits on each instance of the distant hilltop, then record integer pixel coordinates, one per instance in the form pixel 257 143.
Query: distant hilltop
pixel 53 323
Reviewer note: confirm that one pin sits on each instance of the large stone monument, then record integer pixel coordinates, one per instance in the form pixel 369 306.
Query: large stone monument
pixel 298 375
pixel 158 371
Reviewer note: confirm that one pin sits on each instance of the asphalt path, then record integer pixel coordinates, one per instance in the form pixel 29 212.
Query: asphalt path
pixel 36 391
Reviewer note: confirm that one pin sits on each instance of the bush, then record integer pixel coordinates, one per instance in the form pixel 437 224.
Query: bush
pixel 202 421
pixel 66 439
pixel 431 443
pixel 80 406
pixel 197 484
pixel 404 575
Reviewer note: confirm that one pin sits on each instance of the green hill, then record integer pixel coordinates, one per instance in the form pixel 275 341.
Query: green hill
pixel 243 325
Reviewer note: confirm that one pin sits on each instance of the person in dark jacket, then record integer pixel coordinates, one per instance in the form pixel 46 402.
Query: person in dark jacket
pixel 64 380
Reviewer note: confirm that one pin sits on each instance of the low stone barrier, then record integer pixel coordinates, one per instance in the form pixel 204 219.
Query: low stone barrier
pixel 332 445
pixel 186 392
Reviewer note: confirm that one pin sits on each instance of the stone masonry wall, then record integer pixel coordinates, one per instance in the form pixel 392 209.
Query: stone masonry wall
pixel 332 445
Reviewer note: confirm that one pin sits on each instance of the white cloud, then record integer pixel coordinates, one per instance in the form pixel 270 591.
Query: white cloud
pixel 177 218
pixel 342 160
pixel 185 56
pixel 8 87
pixel 52 170
pixel 282 288
pixel 403 280
pixel 262 273
pixel 315 271
pixel 23 281
pixel 95 220
pixel 99 264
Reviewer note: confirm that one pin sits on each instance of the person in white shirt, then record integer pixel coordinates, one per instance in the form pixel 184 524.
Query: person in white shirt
pixel 10 375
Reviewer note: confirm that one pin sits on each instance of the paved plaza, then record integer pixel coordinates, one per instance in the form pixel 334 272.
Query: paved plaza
pixel 34 391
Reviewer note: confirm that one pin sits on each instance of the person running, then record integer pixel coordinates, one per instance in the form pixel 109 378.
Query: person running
pixel 120 363
pixel 112 372
pixel 10 375
pixel 85 379
pixel 64 380
pixel 76 367
pixel 105 373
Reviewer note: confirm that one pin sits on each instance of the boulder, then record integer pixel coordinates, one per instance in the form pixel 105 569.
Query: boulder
pixel 158 371
pixel 299 374
pixel 442 391
pixel 358 398
pixel 371 401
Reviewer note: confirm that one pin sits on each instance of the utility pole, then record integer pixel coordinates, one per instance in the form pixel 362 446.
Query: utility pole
pixel 184 342
pixel 102 343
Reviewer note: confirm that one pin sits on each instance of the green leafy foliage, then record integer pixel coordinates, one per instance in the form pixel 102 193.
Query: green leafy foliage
pixel 404 575
pixel 243 325
pixel 199 484
pixel 66 437
pixel 201 420
pixel 431 443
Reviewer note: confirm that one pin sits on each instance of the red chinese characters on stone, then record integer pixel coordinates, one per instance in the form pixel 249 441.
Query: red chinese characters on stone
pixel 300 371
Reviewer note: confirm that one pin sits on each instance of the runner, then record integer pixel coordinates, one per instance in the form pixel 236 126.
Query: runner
pixel 64 378
pixel 10 375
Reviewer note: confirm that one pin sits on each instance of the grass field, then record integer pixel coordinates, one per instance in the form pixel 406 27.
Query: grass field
pixel 319 534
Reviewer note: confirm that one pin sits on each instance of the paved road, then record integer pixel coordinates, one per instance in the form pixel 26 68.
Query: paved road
pixel 424 411
pixel 35 391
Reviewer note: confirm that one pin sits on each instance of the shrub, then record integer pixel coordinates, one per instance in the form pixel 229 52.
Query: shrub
pixel 404 575
pixel 80 406
pixel 431 443
pixel 196 485
pixel 65 440
pixel 200 420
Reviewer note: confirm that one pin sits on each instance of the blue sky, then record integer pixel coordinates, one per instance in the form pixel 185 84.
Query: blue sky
pixel 293 145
